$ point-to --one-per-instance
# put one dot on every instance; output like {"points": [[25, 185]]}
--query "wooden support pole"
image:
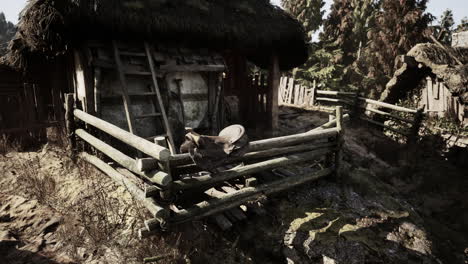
{"points": [[166, 168], [147, 164], [157, 211], [367, 108], [271, 147], [404, 133], [240, 197], [70, 121], [389, 106], [143, 145], [157, 177], [291, 140], [331, 123], [215, 179], [414, 133], [272, 95], [340, 141]]}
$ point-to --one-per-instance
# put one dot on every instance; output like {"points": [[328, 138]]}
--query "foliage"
{"points": [[308, 12], [344, 33], [463, 25], [399, 25], [7, 31], [443, 31]]}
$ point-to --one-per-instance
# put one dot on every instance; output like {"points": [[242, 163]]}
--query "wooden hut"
{"points": [[138, 72], [156, 67], [438, 75]]}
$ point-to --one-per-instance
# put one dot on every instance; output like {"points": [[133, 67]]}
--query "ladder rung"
{"points": [[137, 73], [143, 94], [132, 54], [148, 115]]}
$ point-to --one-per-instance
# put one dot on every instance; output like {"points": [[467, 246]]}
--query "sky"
{"points": [[11, 8]]}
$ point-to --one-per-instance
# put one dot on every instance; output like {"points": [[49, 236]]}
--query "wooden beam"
{"points": [[269, 146], [157, 211], [387, 114], [389, 106], [139, 143], [157, 177], [240, 197], [211, 180], [292, 139], [272, 95], [385, 126]]}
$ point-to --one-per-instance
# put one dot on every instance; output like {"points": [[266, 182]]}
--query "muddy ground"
{"points": [[397, 204]]}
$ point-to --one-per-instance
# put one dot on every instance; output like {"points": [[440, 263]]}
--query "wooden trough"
{"points": [[156, 178]]}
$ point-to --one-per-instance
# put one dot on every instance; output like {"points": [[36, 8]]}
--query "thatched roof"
{"points": [[254, 27], [444, 63]]}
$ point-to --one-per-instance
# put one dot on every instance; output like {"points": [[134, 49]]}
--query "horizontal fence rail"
{"points": [[405, 121]]}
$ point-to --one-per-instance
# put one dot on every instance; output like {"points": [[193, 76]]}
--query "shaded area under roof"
{"points": [[253, 27]]}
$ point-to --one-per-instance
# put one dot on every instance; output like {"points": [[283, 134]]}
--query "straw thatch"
{"points": [[425, 59], [254, 27]]}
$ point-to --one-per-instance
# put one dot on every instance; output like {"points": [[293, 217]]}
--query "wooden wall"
{"points": [[439, 101]]}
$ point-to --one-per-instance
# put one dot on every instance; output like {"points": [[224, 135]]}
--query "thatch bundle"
{"points": [[444, 63], [254, 27]]}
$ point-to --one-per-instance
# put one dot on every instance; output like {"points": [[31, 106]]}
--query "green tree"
{"points": [[308, 12], [399, 25], [7, 31], [443, 31], [463, 25]]}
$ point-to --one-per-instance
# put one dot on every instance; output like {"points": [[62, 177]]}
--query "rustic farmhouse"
{"points": [[155, 66], [440, 77]]}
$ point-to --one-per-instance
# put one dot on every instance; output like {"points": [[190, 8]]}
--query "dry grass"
{"points": [[36, 183]]}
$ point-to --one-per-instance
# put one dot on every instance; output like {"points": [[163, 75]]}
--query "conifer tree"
{"points": [[399, 25], [308, 12], [7, 31]]}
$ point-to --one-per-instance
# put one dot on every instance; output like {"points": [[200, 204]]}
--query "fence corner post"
{"points": [[414, 133], [70, 121], [340, 143]]}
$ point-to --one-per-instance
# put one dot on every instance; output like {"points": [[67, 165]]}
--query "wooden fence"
{"points": [[155, 179], [405, 121], [24, 110]]}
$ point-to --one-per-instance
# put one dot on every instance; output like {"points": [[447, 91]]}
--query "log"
{"points": [[332, 123], [339, 152], [270, 147], [156, 177], [143, 145], [334, 100], [222, 222], [207, 181], [335, 93], [389, 106], [385, 126], [240, 197], [387, 114], [147, 164], [292, 139], [157, 258], [70, 121], [159, 213]]}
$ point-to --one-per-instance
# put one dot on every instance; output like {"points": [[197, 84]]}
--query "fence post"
{"points": [[312, 94], [70, 121], [414, 133], [340, 142]]}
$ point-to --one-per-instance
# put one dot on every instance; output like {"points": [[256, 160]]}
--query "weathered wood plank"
{"points": [[211, 180], [390, 106], [139, 143], [157, 211], [158, 177]]}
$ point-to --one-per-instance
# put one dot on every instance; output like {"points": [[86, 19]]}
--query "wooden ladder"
{"points": [[159, 104]]}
